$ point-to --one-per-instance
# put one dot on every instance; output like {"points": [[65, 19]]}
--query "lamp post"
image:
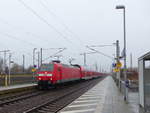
{"points": [[34, 56], [9, 68], [34, 62], [10, 62], [125, 66]]}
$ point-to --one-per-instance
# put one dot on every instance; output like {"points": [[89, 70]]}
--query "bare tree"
{"points": [[16, 68]]}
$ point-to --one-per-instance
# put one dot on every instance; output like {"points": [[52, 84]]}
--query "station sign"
{"points": [[33, 70], [116, 70], [119, 65]]}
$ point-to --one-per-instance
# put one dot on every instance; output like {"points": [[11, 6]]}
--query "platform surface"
{"points": [[102, 98], [16, 86]]}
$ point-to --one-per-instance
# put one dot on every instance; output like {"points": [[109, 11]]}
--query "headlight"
{"points": [[44, 74], [49, 74], [41, 75]]}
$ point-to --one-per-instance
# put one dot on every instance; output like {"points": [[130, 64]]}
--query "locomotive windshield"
{"points": [[46, 67]]}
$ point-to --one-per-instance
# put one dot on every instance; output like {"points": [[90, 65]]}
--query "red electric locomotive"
{"points": [[55, 72]]}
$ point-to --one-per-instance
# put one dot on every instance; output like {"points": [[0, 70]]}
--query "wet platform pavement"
{"points": [[103, 98]]}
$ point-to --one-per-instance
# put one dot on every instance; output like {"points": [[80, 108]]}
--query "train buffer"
{"points": [[103, 98]]}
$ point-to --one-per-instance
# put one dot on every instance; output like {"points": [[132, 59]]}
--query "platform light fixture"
{"points": [[125, 67]]}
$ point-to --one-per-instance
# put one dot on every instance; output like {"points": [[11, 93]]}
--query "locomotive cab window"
{"points": [[46, 67]]}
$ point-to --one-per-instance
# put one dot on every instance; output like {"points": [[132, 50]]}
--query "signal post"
{"points": [[118, 64]]}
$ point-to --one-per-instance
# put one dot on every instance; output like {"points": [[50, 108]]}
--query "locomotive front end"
{"points": [[45, 75]]}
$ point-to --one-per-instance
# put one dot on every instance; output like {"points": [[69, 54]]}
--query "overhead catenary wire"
{"points": [[100, 53], [44, 20], [99, 45], [25, 32], [18, 39], [60, 50], [60, 21], [54, 48], [66, 27], [49, 25]]}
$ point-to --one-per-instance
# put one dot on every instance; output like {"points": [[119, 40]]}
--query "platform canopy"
{"points": [[145, 56], [144, 80]]}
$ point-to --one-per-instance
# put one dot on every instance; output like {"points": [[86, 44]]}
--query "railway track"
{"points": [[59, 102], [48, 105], [48, 101], [16, 94], [16, 98]]}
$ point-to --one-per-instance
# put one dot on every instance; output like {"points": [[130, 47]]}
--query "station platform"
{"points": [[102, 98], [7, 89]]}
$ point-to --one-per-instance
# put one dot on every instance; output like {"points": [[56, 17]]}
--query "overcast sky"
{"points": [[73, 24]]}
